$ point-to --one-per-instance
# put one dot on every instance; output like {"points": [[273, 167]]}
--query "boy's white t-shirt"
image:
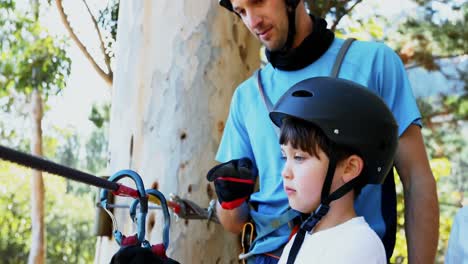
{"points": [[351, 242]]}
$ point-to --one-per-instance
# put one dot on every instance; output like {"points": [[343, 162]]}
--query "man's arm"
{"points": [[233, 220], [420, 195]]}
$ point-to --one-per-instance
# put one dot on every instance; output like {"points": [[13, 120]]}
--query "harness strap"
{"points": [[339, 58], [265, 98]]}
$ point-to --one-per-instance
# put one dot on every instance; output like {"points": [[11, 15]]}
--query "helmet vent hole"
{"points": [[302, 93]]}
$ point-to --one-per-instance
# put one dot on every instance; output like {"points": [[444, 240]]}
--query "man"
{"points": [[299, 46]]}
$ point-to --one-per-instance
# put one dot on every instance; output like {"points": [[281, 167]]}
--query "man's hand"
{"points": [[234, 181]]}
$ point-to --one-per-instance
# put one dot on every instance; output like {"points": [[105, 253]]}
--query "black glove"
{"points": [[234, 181]]}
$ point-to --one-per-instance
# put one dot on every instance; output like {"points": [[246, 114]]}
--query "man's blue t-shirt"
{"points": [[250, 133]]}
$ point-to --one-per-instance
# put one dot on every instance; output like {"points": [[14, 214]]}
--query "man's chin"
{"points": [[271, 47]]}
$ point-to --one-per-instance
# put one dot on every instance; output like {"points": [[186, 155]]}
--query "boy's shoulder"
{"points": [[351, 242], [348, 230], [360, 242], [355, 240]]}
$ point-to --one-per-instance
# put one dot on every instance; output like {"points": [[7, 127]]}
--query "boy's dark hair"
{"points": [[308, 137]]}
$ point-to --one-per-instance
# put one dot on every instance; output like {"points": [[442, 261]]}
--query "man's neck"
{"points": [[304, 26]]}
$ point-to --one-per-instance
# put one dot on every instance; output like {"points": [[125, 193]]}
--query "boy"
{"points": [[336, 136]]}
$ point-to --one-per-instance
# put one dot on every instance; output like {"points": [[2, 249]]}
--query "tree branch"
{"points": [[417, 64], [101, 41], [458, 205], [338, 18], [106, 76]]}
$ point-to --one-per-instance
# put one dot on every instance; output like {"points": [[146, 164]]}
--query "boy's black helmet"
{"points": [[349, 115]]}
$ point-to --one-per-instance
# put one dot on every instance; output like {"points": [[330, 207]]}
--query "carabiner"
{"points": [[167, 218], [247, 236], [142, 198]]}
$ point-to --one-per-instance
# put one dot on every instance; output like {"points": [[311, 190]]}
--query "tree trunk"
{"points": [[178, 63], [37, 253]]}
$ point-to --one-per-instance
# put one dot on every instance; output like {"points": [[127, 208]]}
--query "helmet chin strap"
{"points": [[320, 212], [323, 208], [291, 10]]}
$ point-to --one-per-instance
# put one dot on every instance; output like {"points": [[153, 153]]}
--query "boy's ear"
{"points": [[353, 166]]}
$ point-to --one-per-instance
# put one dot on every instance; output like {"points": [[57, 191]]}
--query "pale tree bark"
{"points": [[178, 63], [37, 254]]}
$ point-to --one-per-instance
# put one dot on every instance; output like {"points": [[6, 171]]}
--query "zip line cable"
{"points": [[41, 164], [184, 208]]}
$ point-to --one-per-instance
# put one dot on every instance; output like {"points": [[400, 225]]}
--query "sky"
{"points": [[84, 86]]}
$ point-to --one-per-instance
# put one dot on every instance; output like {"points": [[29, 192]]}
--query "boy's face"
{"points": [[266, 19], [303, 177]]}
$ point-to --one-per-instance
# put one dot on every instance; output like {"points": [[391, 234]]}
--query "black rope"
{"points": [[41, 164]]}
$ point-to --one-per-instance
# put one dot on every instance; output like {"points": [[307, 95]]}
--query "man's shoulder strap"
{"points": [[266, 100], [339, 58]]}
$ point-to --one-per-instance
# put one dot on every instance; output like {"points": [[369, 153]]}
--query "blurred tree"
{"points": [[439, 31], [68, 152], [335, 10], [35, 65], [100, 115], [105, 25], [97, 144], [68, 221], [438, 36]]}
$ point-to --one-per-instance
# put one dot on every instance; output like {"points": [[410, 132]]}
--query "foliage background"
{"points": [[68, 219]]}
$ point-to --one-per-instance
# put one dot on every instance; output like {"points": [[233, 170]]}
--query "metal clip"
{"points": [[211, 210], [187, 209], [247, 238]]}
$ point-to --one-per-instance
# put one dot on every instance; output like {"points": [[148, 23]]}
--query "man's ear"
{"points": [[353, 166]]}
